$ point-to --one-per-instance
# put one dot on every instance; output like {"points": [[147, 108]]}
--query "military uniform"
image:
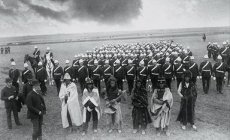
{"points": [[107, 72], [154, 72], [205, 71], [130, 71], [14, 75], [96, 75], [167, 70], [36, 54], [142, 74], [58, 73], [26, 73], [81, 73], [119, 74], [69, 69], [178, 71], [219, 70], [193, 68], [41, 76]]}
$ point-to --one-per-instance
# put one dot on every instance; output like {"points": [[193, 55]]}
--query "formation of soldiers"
{"points": [[145, 61], [7, 50]]}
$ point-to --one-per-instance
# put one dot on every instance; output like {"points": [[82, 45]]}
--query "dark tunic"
{"points": [[140, 112], [187, 108]]}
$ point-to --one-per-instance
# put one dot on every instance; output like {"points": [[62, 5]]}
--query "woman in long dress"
{"points": [[140, 113], [70, 112]]}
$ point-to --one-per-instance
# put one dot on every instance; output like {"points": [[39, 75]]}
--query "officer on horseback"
{"points": [[48, 56], [36, 53]]}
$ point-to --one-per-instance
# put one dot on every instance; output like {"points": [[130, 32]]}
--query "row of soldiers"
{"points": [[147, 61], [214, 50], [7, 50]]}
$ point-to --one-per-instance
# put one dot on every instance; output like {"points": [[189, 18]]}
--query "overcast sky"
{"points": [[36, 17]]}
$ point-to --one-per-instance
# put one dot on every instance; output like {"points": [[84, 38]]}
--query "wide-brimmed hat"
{"points": [[67, 76]]}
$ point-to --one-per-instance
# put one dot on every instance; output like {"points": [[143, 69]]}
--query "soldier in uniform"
{"points": [[130, 71], [154, 72], [14, 75], [119, 74], [193, 68], [96, 75], [26, 73], [69, 69], [48, 56], [36, 53], [209, 48], [2, 50], [224, 52], [219, 70], [81, 73], [205, 72], [41, 76], [142, 73], [57, 75], [107, 71], [178, 71], [167, 70]]}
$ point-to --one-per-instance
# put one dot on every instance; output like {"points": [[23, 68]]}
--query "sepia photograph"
{"points": [[114, 69]]}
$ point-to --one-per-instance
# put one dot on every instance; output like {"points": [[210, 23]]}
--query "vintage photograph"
{"points": [[114, 69]]}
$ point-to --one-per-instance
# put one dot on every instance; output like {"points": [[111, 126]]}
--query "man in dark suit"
{"points": [[10, 96], [36, 109]]}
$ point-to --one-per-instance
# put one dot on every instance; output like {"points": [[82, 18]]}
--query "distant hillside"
{"points": [[62, 38]]}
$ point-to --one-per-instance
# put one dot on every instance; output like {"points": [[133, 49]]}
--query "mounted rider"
{"points": [[48, 56], [36, 53]]}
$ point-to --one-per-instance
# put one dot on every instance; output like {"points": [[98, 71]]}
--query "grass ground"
{"points": [[212, 110]]}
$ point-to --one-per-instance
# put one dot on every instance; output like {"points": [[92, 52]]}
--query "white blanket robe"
{"points": [[72, 105], [94, 98], [162, 119]]}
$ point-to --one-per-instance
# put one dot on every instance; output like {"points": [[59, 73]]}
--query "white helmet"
{"points": [[192, 57], [25, 65], [206, 56], [67, 76], [67, 61], [219, 57], [55, 61], [40, 63], [13, 63]]}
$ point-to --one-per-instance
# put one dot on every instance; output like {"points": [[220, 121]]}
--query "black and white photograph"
{"points": [[114, 69]]}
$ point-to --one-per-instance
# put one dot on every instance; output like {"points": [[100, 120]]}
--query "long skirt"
{"points": [[141, 117], [187, 111]]}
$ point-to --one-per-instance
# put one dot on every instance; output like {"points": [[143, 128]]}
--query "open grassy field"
{"points": [[212, 110]]}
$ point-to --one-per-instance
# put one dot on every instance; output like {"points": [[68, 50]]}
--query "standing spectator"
{"points": [[91, 103], [10, 96], [187, 92], [140, 113], [113, 107], [162, 101], [70, 111], [36, 109]]}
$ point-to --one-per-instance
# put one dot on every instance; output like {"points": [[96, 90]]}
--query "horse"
{"points": [[32, 60], [49, 69]]}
